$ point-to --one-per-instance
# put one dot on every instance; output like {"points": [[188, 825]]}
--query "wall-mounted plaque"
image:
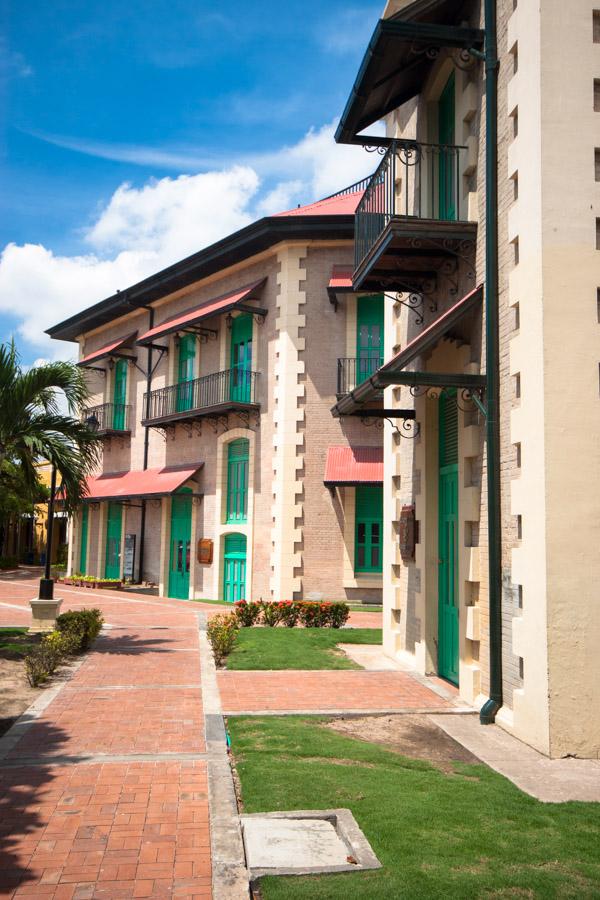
{"points": [[205, 551], [129, 557], [407, 533]]}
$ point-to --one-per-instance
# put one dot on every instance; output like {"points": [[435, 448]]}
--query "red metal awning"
{"points": [[341, 278], [354, 465], [214, 307], [150, 483], [105, 351]]}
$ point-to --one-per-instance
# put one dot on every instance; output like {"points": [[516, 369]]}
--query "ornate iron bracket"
{"points": [[466, 395], [223, 421], [415, 302], [409, 428]]}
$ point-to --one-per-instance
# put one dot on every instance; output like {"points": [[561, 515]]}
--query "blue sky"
{"points": [[108, 104]]}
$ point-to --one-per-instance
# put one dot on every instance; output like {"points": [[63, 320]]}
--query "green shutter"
{"points": [[186, 356], [368, 516], [448, 650], [241, 358], [238, 453], [84, 539], [112, 565], [119, 395], [447, 161]]}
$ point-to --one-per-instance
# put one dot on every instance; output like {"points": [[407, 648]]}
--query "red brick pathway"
{"points": [[85, 817], [331, 691]]}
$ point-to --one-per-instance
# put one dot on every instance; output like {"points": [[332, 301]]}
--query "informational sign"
{"points": [[205, 551], [408, 534], [129, 557]]}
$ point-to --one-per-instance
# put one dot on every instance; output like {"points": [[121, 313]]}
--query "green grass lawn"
{"points": [[14, 643], [215, 602], [364, 607], [297, 648], [471, 834]]}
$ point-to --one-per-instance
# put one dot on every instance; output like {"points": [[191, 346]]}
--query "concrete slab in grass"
{"points": [[305, 842]]}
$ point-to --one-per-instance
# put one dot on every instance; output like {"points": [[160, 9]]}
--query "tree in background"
{"points": [[33, 426]]}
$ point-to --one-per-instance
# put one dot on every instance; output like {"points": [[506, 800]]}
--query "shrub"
{"points": [[338, 614], [271, 613], [221, 632], [247, 614], [289, 613], [41, 661], [8, 562], [83, 626]]}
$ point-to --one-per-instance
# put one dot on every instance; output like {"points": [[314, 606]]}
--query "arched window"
{"points": [[238, 455]]}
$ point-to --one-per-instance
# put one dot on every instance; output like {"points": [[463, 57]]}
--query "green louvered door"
{"points": [[181, 539], [241, 359], [234, 568], [448, 541], [185, 372], [119, 395], [85, 511], [369, 336], [447, 161], [237, 480], [112, 564]]}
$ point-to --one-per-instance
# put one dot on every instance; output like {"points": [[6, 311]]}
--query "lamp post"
{"points": [[44, 609]]}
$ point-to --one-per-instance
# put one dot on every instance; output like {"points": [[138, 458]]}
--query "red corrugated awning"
{"points": [[341, 278], [105, 351], [149, 483], [354, 465], [203, 311]]}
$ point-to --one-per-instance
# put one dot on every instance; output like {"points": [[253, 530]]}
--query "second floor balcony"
{"points": [[353, 371], [413, 212], [108, 419], [210, 395]]}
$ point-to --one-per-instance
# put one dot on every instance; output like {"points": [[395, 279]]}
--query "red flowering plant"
{"points": [[289, 613], [247, 614], [271, 613], [338, 614]]}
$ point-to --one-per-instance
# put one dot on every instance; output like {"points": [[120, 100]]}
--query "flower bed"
{"points": [[290, 613], [90, 581]]}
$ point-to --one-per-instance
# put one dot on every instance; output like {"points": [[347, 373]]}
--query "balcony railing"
{"points": [[233, 388], [107, 417], [413, 180], [352, 372]]}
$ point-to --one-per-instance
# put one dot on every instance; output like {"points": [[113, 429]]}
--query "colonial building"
{"points": [[481, 227], [223, 473]]}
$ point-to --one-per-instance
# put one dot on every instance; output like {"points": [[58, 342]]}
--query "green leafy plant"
{"points": [[289, 613], [83, 625], [271, 614], [247, 614], [8, 562], [338, 614], [221, 632]]}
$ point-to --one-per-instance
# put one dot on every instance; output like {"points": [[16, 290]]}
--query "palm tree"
{"points": [[33, 427]]}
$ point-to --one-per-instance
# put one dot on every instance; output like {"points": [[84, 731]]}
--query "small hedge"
{"points": [[75, 632], [9, 562], [222, 631], [291, 613]]}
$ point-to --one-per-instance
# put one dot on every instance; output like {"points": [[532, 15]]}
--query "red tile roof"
{"points": [[210, 308], [341, 205], [149, 483], [107, 349], [354, 465], [341, 278]]}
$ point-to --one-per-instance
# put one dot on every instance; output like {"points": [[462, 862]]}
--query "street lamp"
{"points": [[44, 609]]}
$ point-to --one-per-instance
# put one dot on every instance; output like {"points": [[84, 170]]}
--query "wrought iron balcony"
{"points": [[352, 372], [218, 393], [416, 186], [108, 418]]}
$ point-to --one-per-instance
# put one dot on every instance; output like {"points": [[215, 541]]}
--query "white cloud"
{"points": [[142, 230]]}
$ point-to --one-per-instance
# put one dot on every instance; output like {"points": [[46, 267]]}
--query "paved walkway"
{"points": [[105, 793]]}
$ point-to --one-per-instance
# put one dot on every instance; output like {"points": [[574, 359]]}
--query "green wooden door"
{"points": [[181, 545], [119, 395], [238, 453], [369, 336], [84, 539], [368, 518], [241, 358], [448, 541], [447, 162], [234, 568], [186, 356], [112, 563]]}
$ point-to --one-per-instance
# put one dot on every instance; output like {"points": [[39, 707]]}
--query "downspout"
{"points": [[146, 442], [489, 709]]}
